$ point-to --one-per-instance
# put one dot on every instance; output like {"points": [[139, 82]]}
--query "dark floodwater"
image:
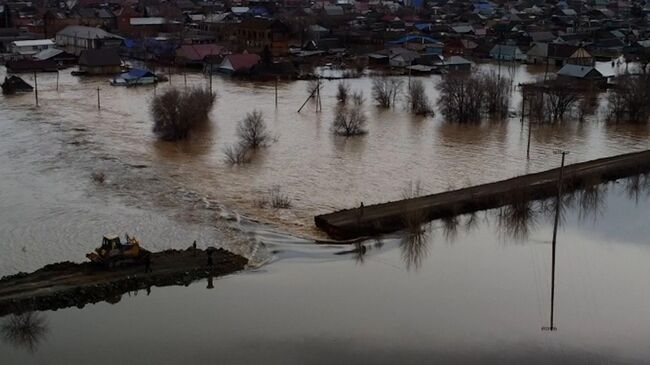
{"points": [[476, 295], [454, 296]]}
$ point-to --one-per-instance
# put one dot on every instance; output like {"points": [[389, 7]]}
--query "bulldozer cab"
{"points": [[111, 242]]}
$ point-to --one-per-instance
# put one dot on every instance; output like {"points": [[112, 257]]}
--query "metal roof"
{"points": [[147, 21], [47, 53], [33, 42], [80, 31]]}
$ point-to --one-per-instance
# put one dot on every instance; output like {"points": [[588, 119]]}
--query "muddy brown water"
{"points": [[469, 295], [476, 295]]}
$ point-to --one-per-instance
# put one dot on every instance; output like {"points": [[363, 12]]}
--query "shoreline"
{"points": [[67, 284]]}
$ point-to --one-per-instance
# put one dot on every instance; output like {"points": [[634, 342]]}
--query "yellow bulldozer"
{"points": [[113, 252]]}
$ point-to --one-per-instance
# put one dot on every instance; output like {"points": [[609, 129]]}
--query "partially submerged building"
{"points": [[100, 62]]}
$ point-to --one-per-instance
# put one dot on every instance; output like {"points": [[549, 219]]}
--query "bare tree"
{"points": [[343, 90], [252, 131], [176, 113], [385, 90], [560, 99], [349, 122], [629, 100], [357, 98], [417, 100], [588, 103], [237, 154], [497, 94], [461, 97]]}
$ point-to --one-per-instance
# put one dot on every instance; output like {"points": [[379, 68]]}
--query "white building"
{"points": [[76, 38], [30, 47]]}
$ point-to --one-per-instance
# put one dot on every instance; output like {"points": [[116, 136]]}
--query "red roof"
{"points": [[243, 61], [198, 52]]}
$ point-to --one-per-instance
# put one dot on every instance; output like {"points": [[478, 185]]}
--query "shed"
{"points": [[100, 61]]}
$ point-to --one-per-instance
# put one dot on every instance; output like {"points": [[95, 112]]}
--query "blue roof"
{"points": [[136, 73], [414, 38], [423, 26]]}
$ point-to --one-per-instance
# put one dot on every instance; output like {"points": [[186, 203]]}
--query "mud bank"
{"points": [[68, 284]]}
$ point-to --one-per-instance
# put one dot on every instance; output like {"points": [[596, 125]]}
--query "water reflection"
{"points": [[414, 248], [517, 220], [25, 330]]}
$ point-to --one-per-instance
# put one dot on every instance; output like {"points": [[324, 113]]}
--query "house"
{"points": [[558, 54], [197, 54], [598, 74], [507, 53], [455, 63], [256, 34], [400, 57], [134, 77], [76, 38], [418, 42], [30, 47], [100, 61], [241, 63]]}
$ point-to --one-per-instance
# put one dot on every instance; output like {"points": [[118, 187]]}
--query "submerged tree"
{"points": [[559, 99], [176, 113], [461, 97], [343, 90], [385, 90], [417, 100], [252, 131], [349, 122], [629, 99], [252, 134], [497, 91]]}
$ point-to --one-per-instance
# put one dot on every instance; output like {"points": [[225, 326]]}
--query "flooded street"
{"points": [[458, 296]]}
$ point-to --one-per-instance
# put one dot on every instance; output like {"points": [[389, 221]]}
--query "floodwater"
{"points": [[319, 171], [454, 295], [473, 294]]}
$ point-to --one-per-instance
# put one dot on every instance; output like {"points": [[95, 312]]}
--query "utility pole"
{"points": [[99, 104], [210, 77], [57, 80], [558, 204], [35, 88], [276, 92]]}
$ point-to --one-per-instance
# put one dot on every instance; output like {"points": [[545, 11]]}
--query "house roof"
{"points": [[578, 71], [198, 52], [147, 21], [33, 42], [80, 31], [46, 54], [415, 38], [136, 73], [242, 61], [99, 57]]}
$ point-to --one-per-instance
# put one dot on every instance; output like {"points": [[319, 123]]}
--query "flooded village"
{"points": [[309, 182]]}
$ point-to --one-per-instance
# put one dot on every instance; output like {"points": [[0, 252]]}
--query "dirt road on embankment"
{"points": [[68, 284]]}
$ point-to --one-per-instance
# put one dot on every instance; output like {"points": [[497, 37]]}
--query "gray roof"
{"points": [[575, 70], [580, 71], [80, 31], [46, 54]]}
